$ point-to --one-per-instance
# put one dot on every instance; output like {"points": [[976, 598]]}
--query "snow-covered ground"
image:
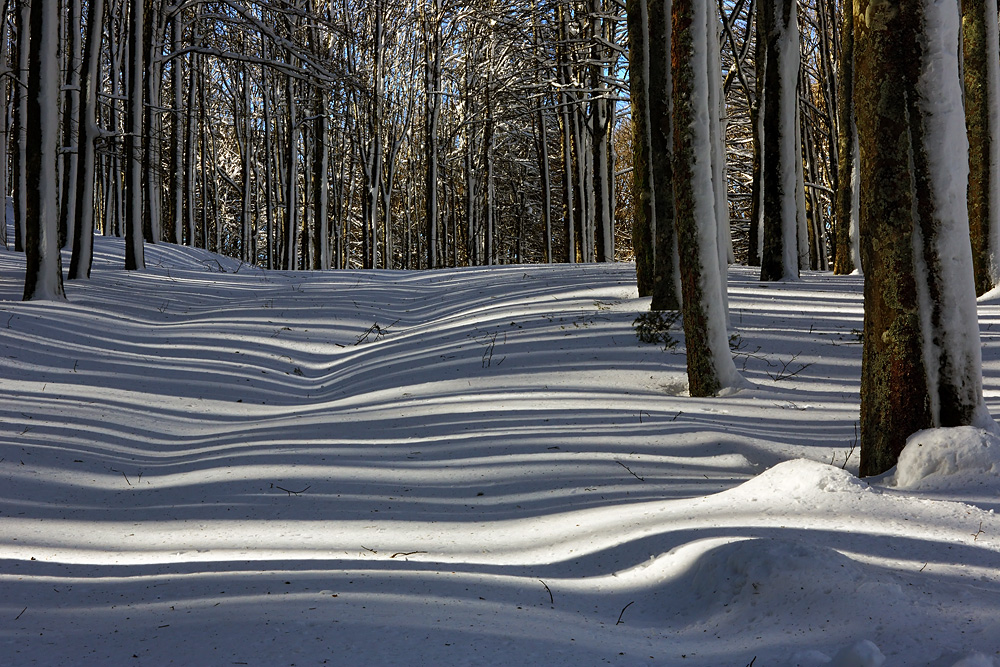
{"points": [[209, 464]]}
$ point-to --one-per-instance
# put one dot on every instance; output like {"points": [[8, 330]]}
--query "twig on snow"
{"points": [[975, 535], [783, 374], [629, 470], [548, 590], [406, 553], [623, 612], [21, 614], [289, 491]]}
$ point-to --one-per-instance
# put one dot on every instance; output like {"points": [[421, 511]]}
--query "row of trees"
{"points": [[305, 134], [386, 133], [927, 206], [417, 134]]}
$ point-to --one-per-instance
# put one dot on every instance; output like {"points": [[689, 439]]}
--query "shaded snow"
{"points": [[207, 463]]}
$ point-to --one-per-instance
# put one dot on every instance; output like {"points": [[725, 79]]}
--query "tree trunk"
{"points": [[981, 48], [70, 120], [846, 224], [175, 231], [921, 364], [134, 258], [43, 273], [291, 178], [433, 93], [709, 361], [782, 157], [321, 186], [19, 167], [83, 237], [666, 273], [643, 215]]}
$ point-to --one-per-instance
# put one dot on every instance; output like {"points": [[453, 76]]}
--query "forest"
{"points": [[326, 332], [385, 133]]}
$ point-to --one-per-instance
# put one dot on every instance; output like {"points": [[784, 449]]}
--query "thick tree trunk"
{"points": [[43, 273], [643, 215], [921, 363], [709, 361]]}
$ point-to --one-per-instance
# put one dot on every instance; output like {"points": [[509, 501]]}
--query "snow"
{"points": [[208, 463], [962, 456], [948, 323]]}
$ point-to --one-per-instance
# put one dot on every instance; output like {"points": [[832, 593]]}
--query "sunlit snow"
{"points": [[205, 463]]}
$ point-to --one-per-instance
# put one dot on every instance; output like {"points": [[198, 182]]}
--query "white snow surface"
{"points": [[204, 463]]}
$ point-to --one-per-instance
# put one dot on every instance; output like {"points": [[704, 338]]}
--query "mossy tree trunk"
{"points": [[921, 359], [643, 215], [666, 276], [981, 49], [709, 361], [847, 150]]}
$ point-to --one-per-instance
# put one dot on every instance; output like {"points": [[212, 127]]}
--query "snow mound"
{"points": [[970, 660], [801, 479], [946, 458], [771, 573]]}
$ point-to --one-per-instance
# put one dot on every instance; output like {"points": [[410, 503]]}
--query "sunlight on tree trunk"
{"points": [[921, 363]]}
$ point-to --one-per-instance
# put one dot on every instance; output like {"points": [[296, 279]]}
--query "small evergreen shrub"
{"points": [[654, 327]]}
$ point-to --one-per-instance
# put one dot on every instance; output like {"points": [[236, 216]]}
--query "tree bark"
{"points": [[709, 362], [981, 49], [83, 237], [643, 215], [666, 274], [782, 157], [921, 364], [845, 215], [43, 272]]}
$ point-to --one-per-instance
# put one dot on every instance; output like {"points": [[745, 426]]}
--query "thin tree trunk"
{"points": [[666, 273], [70, 120], [981, 48], [83, 237], [134, 258]]}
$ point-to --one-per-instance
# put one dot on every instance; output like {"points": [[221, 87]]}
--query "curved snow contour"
{"points": [[960, 457]]}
